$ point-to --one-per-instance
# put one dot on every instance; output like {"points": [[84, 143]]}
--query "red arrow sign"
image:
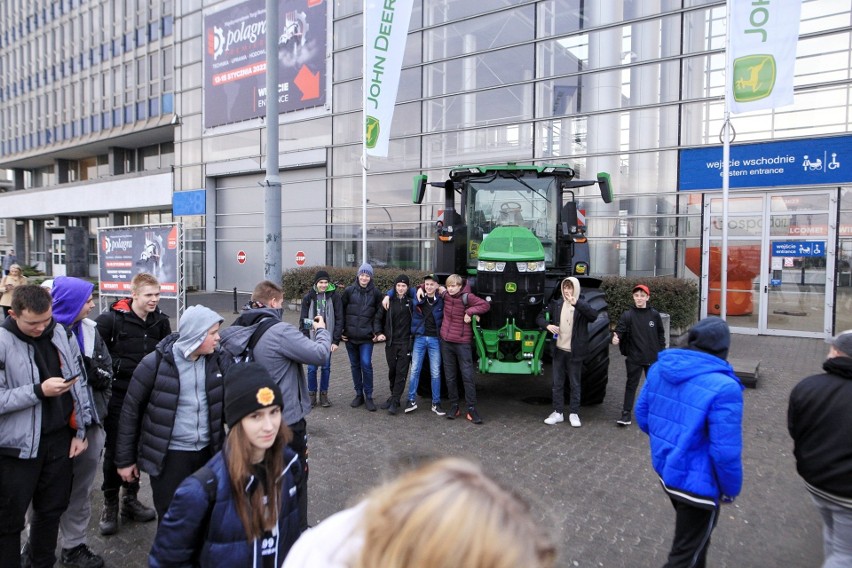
{"points": [[308, 83]]}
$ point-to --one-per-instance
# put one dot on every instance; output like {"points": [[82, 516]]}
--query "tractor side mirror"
{"points": [[419, 191], [605, 185]]}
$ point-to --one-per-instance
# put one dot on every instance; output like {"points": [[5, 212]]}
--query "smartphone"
{"points": [[77, 376]]}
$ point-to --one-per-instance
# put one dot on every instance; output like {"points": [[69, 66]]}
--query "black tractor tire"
{"points": [[596, 364]]}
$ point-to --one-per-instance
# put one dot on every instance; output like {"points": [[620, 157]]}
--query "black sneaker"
{"points": [[393, 407], [473, 415], [625, 419], [454, 411], [81, 556], [369, 404], [436, 408], [386, 404], [357, 401], [410, 406]]}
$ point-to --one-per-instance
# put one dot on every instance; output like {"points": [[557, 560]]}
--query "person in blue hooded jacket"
{"points": [[691, 407], [241, 509]]}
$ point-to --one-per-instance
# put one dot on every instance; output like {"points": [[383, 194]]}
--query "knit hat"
{"points": [[321, 275], [842, 342], [249, 387], [643, 288], [402, 278], [365, 269], [710, 335], [430, 276]]}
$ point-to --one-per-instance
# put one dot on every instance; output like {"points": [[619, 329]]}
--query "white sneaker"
{"points": [[574, 420], [554, 418]]}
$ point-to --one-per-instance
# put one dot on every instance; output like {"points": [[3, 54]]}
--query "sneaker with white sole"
{"points": [[436, 408], [410, 406], [574, 420], [554, 418], [625, 419]]}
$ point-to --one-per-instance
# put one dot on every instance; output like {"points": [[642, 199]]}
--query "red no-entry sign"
{"points": [[300, 258], [241, 257]]}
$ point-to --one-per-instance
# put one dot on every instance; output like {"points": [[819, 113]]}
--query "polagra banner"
{"points": [[386, 29], [763, 38]]}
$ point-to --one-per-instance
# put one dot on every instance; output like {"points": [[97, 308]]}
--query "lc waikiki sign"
{"points": [[386, 29], [762, 58]]}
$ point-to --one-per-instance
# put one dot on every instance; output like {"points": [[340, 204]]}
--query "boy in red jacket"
{"points": [[460, 305]]}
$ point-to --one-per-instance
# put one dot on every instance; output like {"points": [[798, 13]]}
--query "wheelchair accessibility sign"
{"points": [[799, 248]]}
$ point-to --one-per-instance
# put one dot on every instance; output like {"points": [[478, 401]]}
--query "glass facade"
{"points": [[620, 86]]}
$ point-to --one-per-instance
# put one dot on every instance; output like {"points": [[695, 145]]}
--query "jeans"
{"points": [[361, 363], [422, 345], [457, 358], [325, 373], [564, 363], [836, 533]]}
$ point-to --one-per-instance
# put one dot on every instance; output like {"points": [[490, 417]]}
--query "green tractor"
{"points": [[515, 237]]}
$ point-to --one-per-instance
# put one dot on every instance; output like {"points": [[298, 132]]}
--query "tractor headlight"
{"points": [[535, 266], [490, 266]]}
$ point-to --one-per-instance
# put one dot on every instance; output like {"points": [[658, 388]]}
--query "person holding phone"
{"points": [[44, 411]]}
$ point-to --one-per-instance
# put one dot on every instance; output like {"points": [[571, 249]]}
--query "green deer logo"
{"points": [[754, 77], [371, 136]]}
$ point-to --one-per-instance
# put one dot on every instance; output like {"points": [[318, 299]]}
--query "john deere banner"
{"points": [[235, 59], [763, 38], [386, 24]]}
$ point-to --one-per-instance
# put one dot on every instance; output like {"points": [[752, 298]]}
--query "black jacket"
{"points": [[149, 409], [333, 317], [396, 323], [362, 312], [642, 334], [819, 419], [129, 338], [584, 314]]}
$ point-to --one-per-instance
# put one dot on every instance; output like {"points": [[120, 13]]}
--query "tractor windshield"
{"points": [[529, 202]]}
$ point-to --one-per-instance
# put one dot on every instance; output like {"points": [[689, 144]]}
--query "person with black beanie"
{"points": [[322, 300], [396, 332]]}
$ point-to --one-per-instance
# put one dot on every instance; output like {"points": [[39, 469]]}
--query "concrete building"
{"points": [[119, 112]]}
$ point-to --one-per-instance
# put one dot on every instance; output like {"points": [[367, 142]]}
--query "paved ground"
{"points": [[592, 489]]}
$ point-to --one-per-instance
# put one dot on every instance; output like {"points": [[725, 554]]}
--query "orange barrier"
{"points": [[743, 266]]}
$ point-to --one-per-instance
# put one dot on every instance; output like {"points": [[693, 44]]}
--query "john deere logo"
{"points": [[754, 77], [372, 134], [511, 287]]}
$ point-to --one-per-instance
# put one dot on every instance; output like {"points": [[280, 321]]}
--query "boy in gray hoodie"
{"points": [[171, 421]]}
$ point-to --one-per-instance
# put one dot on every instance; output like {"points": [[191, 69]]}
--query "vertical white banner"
{"points": [[386, 29], [762, 39]]}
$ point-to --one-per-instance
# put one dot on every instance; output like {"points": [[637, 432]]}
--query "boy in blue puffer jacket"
{"points": [[691, 408]]}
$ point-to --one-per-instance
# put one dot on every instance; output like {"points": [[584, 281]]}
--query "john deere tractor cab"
{"points": [[515, 237]]}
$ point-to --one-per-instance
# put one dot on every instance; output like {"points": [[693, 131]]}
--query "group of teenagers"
{"points": [[216, 418]]}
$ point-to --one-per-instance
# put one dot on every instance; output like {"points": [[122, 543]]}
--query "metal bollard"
{"points": [[236, 311]]}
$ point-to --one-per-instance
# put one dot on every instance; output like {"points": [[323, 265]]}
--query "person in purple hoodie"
{"points": [[72, 302]]}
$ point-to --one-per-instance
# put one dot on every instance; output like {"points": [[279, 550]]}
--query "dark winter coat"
{"points": [[418, 316], [362, 312], [819, 419], [642, 332], [187, 538], [149, 409], [130, 338], [396, 323], [584, 314], [453, 327]]}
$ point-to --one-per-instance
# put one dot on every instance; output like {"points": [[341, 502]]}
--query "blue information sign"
{"points": [[193, 202], [809, 161], [798, 248]]}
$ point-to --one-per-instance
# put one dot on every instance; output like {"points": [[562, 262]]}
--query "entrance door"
{"points": [[57, 254], [780, 263]]}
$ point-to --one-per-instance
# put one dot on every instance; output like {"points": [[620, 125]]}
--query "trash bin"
{"points": [[667, 326]]}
